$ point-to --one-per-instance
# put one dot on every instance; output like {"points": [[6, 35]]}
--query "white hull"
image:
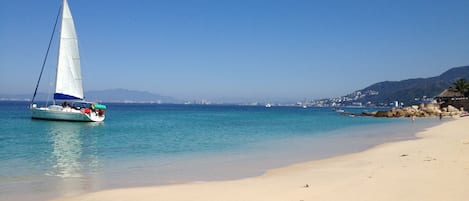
{"points": [[57, 112]]}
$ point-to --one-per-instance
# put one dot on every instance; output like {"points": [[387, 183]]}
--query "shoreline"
{"points": [[431, 167]]}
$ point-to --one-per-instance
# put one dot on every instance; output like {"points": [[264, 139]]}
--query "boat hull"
{"points": [[58, 113]]}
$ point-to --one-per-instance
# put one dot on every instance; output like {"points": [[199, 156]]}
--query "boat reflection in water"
{"points": [[74, 156]]}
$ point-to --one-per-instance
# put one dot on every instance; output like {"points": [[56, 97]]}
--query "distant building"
{"points": [[454, 98], [357, 104]]}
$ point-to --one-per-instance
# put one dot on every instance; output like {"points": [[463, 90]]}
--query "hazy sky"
{"points": [[261, 49]]}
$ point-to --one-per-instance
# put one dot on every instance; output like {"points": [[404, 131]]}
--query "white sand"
{"points": [[434, 167]]}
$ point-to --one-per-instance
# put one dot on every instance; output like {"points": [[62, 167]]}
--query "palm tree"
{"points": [[461, 86]]}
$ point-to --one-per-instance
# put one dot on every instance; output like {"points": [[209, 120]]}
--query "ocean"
{"points": [[157, 144]]}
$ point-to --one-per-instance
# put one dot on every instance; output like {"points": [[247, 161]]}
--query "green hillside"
{"points": [[407, 90]]}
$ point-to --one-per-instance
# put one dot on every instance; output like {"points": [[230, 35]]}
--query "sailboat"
{"points": [[68, 104]]}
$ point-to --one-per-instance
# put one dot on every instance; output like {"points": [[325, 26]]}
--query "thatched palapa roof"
{"points": [[447, 93]]}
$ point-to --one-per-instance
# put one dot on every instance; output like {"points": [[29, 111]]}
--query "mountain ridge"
{"points": [[108, 95], [126, 95], [410, 91]]}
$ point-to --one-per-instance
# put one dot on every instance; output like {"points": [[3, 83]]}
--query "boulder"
{"points": [[369, 113], [421, 106], [383, 114], [432, 106], [445, 114], [421, 114], [452, 109], [399, 113], [431, 111], [409, 111], [423, 110]]}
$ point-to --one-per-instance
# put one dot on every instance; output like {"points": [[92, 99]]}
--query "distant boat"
{"points": [[68, 83], [340, 110], [268, 105], [303, 104]]}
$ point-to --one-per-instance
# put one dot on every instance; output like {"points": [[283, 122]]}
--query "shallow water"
{"points": [[146, 144]]}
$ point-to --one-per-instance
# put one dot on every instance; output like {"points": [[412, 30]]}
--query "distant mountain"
{"points": [[125, 95], [411, 90], [23, 97], [110, 95]]}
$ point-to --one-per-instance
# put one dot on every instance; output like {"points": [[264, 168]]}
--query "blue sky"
{"points": [[256, 49]]}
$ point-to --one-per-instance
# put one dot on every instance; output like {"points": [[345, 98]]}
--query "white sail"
{"points": [[68, 81]]}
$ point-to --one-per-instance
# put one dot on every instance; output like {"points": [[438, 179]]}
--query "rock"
{"points": [[420, 114], [369, 113], [421, 106], [431, 111], [432, 106], [445, 114], [410, 111], [423, 110], [399, 113], [383, 114], [452, 109]]}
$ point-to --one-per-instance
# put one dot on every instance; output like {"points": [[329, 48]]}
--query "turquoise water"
{"points": [[149, 144]]}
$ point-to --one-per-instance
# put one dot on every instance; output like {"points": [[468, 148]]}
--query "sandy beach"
{"points": [[433, 167]]}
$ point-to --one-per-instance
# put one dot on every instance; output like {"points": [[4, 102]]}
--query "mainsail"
{"points": [[68, 83]]}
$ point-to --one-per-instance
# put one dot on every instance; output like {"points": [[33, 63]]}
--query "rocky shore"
{"points": [[422, 110]]}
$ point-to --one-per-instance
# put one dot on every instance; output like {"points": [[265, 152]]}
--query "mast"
{"points": [[47, 53]]}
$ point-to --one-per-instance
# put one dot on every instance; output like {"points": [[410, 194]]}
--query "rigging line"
{"points": [[47, 53]]}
